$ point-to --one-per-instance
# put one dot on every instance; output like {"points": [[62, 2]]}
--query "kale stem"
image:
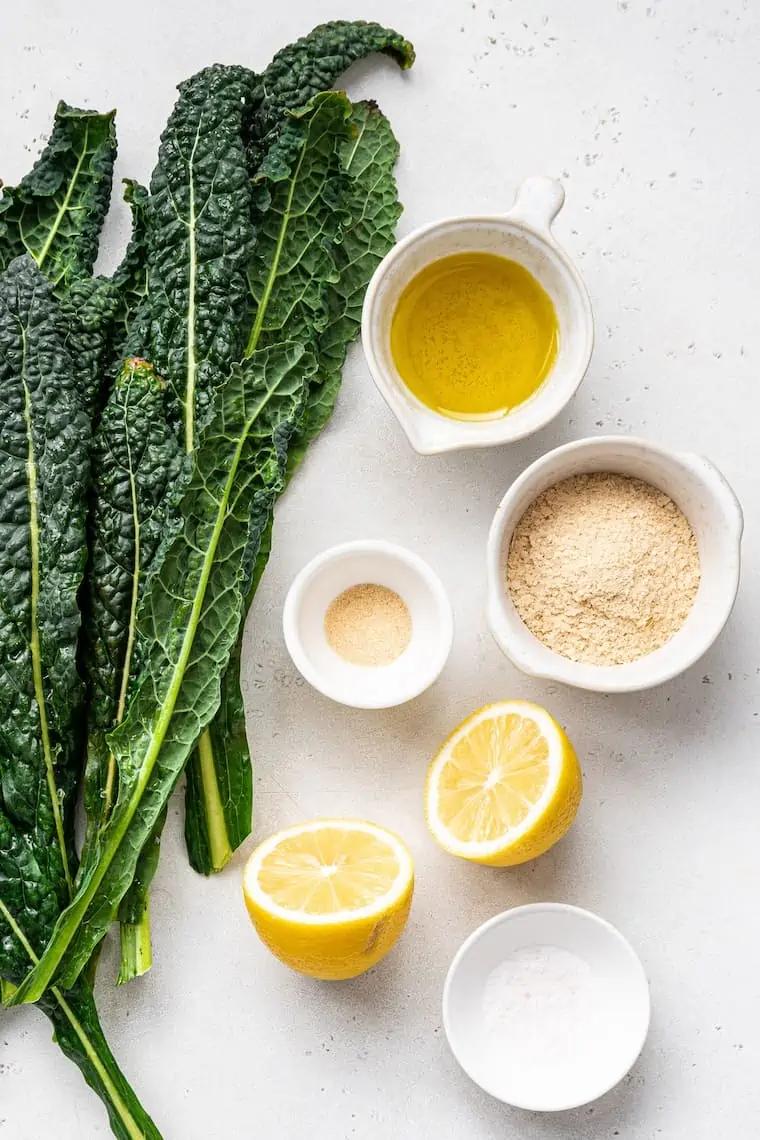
{"points": [[136, 954], [218, 839]]}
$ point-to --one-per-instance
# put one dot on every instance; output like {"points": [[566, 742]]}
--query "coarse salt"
{"points": [[542, 1008]]}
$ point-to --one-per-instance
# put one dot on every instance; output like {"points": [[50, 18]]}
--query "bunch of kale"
{"points": [[150, 421]]}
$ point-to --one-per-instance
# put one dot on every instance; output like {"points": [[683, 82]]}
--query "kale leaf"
{"points": [[44, 437], [137, 465], [370, 210], [44, 471], [137, 461], [195, 227], [199, 240], [218, 801], [128, 331], [79, 1034], [298, 194], [56, 212], [310, 65], [368, 158]]}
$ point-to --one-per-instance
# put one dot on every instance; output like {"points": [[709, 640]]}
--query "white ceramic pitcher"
{"points": [[523, 235]]}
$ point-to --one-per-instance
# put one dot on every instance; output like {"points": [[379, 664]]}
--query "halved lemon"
{"points": [[505, 787], [330, 898]]}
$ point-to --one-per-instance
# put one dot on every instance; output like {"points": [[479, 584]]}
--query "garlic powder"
{"points": [[368, 625]]}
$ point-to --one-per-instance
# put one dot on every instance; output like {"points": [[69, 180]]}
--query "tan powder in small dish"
{"points": [[603, 568], [368, 625]]}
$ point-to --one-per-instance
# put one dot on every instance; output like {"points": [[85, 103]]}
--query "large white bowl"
{"points": [[704, 496], [621, 1012], [523, 234]]}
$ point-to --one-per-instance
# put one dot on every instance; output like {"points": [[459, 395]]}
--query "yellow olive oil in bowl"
{"points": [[474, 335]]}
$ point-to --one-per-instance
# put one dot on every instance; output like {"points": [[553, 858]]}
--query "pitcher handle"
{"points": [[538, 201]]}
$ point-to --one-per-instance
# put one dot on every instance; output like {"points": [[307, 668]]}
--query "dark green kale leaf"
{"points": [[89, 305], [298, 72], [310, 65], [137, 461], [44, 470], [199, 240], [367, 202], [195, 227], [129, 330], [372, 203], [80, 1036], [55, 215], [44, 473], [56, 212], [137, 465], [299, 193]]}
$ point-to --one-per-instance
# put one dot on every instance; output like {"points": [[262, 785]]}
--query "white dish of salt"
{"points": [[546, 1007]]}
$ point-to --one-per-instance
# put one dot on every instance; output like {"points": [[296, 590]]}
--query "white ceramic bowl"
{"points": [[523, 235], [621, 1009], [381, 564], [704, 496]]}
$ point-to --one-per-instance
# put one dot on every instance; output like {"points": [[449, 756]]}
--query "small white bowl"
{"points": [[621, 1010], [523, 235], [381, 564], [711, 507]]}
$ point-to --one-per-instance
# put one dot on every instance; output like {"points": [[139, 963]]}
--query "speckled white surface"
{"points": [[646, 110]]}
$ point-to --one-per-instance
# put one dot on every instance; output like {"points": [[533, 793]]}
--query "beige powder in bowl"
{"points": [[603, 568], [368, 625]]}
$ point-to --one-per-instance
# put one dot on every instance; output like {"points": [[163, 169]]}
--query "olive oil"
{"points": [[474, 335]]}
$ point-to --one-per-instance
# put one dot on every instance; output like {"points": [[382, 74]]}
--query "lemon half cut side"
{"points": [[505, 786], [331, 897]]}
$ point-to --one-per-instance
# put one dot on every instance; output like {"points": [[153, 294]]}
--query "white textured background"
{"points": [[648, 112]]}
